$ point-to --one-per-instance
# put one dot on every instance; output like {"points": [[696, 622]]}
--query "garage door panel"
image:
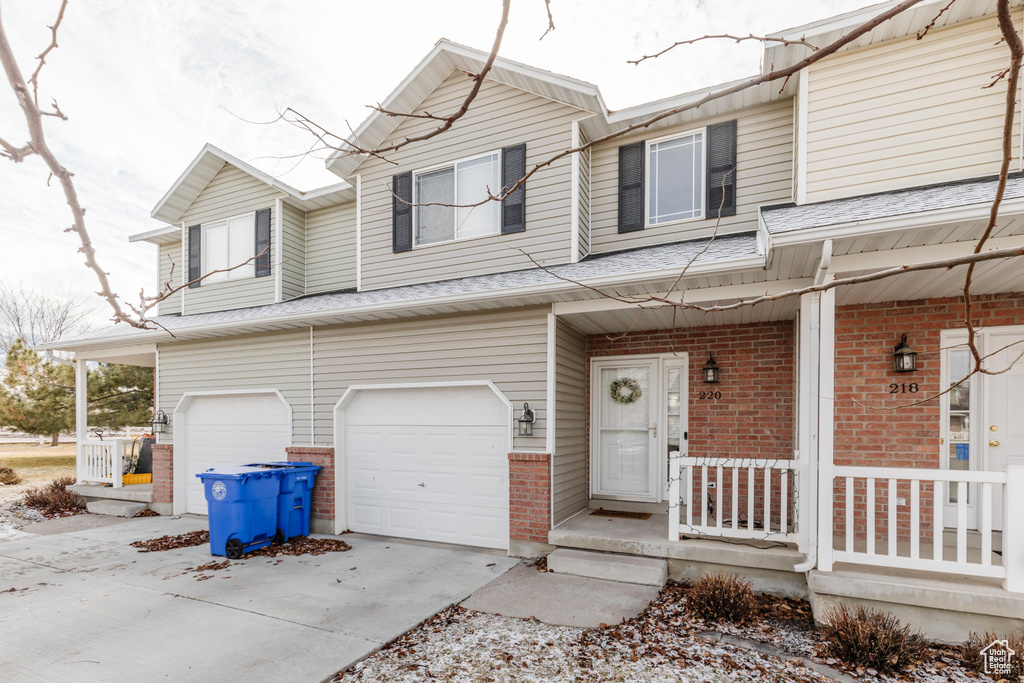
{"points": [[430, 464], [227, 431]]}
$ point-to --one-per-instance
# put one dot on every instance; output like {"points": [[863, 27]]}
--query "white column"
{"points": [[807, 425], [826, 420], [1013, 525], [81, 414]]}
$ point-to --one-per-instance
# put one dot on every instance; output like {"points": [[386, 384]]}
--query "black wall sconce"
{"points": [[904, 358], [160, 422], [526, 421], [710, 370]]}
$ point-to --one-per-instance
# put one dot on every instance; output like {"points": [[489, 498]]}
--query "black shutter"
{"points": [[721, 172], [631, 187], [513, 209], [195, 255], [262, 243], [401, 212]]}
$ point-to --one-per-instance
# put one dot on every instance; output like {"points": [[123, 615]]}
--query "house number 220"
{"points": [[710, 395], [911, 388]]}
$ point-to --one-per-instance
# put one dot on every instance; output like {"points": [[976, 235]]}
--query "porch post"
{"points": [[807, 425], [1013, 525], [826, 425], [81, 414]]}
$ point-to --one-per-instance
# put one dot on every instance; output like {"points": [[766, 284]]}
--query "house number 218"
{"points": [[903, 388]]}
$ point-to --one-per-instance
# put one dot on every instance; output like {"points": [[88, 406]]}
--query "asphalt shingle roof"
{"points": [[667, 256], [790, 218]]}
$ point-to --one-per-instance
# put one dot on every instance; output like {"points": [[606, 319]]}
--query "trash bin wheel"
{"points": [[233, 548], [279, 538]]}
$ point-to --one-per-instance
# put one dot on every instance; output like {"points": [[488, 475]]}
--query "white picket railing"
{"points": [[102, 462], [872, 533], [766, 488]]}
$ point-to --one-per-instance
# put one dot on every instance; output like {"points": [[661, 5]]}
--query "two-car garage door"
{"points": [[428, 463]]}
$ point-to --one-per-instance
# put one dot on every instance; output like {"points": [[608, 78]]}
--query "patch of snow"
{"points": [[10, 531]]}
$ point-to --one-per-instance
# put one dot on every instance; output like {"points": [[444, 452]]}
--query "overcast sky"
{"points": [[146, 83]]}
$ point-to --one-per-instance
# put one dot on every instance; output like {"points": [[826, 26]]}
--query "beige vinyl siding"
{"points": [[293, 265], [764, 175], [570, 456], [331, 248], [507, 347], [232, 192], [277, 360], [501, 116], [584, 200], [907, 113], [169, 272]]}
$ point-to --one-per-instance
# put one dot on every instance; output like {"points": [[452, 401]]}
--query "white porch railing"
{"points": [[751, 498], [102, 462], [878, 531]]}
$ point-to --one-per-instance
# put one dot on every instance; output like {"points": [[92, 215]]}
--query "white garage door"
{"points": [[225, 431], [429, 464]]}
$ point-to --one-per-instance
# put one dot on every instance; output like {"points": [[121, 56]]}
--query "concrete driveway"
{"points": [[85, 606]]}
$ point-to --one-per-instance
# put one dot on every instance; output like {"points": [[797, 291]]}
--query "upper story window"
{"points": [[229, 243], [675, 167], [443, 197]]}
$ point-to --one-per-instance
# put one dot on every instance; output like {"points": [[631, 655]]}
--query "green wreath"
{"points": [[632, 390]]}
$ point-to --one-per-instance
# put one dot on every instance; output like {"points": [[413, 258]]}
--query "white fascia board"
{"points": [[891, 258], [157, 235], [837, 22], [338, 315], [925, 219]]}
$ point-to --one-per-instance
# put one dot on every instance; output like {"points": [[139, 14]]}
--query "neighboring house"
{"points": [[396, 344]]}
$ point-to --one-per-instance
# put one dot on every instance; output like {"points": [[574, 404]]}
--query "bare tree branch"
{"points": [[551, 20], [723, 36], [923, 32], [34, 79]]}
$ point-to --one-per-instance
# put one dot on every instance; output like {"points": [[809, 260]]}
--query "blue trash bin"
{"points": [[242, 508], [294, 502]]}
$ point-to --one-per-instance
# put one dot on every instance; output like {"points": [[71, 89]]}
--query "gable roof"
{"points": [[209, 162], [447, 57]]}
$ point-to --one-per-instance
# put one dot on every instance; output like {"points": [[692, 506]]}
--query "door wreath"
{"points": [[626, 390]]}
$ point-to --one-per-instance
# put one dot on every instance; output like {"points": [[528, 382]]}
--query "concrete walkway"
{"points": [[85, 606]]}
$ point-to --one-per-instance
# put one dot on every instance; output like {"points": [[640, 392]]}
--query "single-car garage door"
{"points": [[224, 431], [429, 464]]}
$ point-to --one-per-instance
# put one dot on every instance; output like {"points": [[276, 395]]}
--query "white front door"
{"points": [[625, 407], [1002, 430]]}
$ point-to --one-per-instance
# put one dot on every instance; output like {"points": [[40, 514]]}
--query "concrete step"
{"points": [[115, 508], [647, 571]]}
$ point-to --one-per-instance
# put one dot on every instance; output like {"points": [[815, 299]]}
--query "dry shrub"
{"points": [[971, 652], [54, 499], [722, 596], [872, 639], [9, 476]]}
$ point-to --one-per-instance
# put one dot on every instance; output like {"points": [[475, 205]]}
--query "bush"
{"points": [[54, 500], [9, 476], [872, 639], [971, 652], [722, 596]]}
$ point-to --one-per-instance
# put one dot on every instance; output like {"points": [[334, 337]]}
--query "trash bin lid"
{"points": [[232, 472], [282, 464]]}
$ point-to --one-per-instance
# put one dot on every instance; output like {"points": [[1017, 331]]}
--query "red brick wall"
{"points": [[323, 490], [754, 418], [529, 497], [877, 429], [163, 473]]}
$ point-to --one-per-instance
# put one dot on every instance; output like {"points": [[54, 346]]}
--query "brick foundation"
{"points": [[529, 498], [323, 490], [163, 473]]}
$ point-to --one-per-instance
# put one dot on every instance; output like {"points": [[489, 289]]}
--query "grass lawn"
{"points": [[39, 464]]}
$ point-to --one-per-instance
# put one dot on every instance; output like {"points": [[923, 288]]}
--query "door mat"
{"points": [[601, 512]]}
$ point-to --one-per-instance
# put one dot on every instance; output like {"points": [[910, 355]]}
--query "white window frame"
{"points": [[648, 185], [243, 273], [455, 190]]}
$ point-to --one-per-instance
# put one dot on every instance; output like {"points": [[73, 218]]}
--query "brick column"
{"points": [[323, 490], [163, 474], [529, 496]]}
